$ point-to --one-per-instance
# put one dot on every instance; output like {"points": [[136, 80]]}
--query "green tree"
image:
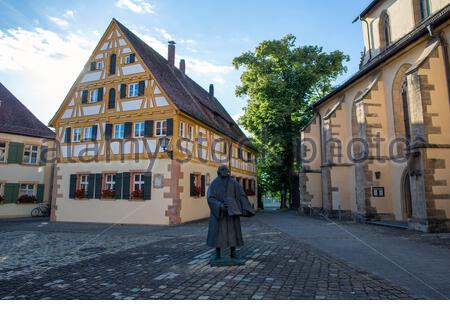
{"points": [[281, 81]]}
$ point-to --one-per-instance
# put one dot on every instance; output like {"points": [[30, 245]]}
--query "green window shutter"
{"points": [[90, 190], [108, 131], [84, 96], [94, 132], [72, 186], [11, 192], [100, 94], [126, 185], [147, 186], [192, 185], [128, 127], [119, 179], [15, 152], [169, 127], [123, 91], [98, 186], [203, 183], [148, 129], [141, 88], [40, 193]]}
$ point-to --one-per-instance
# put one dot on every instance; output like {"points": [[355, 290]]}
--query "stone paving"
{"points": [[172, 263]]}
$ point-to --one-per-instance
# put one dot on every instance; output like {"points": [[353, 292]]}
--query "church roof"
{"points": [[185, 93], [15, 118]]}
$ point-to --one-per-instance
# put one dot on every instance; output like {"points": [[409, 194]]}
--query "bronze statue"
{"points": [[228, 202]]}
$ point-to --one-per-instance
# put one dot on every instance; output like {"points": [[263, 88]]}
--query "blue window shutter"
{"points": [[94, 132], [72, 186], [169, 127], [127, 130], [126, 185], [68, 137], [112, 99], [132, 58], [119, 179], [148, 129], [112, 64], [141, 88], [108, 131], [98, 186], [123, 91], [100, 94], [92, 68], [147, 186], [84, 96]]}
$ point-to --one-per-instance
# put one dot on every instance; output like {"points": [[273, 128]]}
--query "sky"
{"points": [[45, 44]]}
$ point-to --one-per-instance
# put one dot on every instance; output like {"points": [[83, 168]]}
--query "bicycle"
{"points": [[42, 210]]}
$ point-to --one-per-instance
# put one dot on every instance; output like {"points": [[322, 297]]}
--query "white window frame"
{"points": [[27, 189], [139, 129], [133, 90], [128, 59], [161, 128], [93, 96], [87, 132], [182, 129], [31, 150], [76, 135], [3, 152], [110, 183], [121, 131], [84, 182], [138, 182], [98, 65]]}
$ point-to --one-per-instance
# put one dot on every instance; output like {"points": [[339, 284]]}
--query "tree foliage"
{"points": [[281, 81]]}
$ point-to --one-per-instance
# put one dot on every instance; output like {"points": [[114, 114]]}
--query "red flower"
{"points": [[80, 194], [27, 199], [197, 191], [108, 194], [137, 194]]}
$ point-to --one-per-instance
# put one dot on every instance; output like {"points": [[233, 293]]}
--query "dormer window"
{"points": [[385, 30]]}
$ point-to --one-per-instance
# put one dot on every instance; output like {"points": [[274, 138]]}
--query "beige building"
{"points": [[140, 141], [25, 158], [379, 145]]}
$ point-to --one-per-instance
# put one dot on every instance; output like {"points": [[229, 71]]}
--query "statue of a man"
{"points": [[227, 201]]}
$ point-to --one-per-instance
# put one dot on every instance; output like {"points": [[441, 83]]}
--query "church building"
{"points": [[378, 146], [140, 141]]}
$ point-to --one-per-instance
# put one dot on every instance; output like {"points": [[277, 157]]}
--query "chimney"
{"points": [[183, 66], [211, 91], [171, 54]]}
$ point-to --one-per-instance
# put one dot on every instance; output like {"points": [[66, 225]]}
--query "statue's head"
{"points": [[223, 171]]}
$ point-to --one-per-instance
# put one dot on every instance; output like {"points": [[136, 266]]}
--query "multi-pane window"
{"points": [[138, 182], [84, 182], [88, 134], [119, 130], [127, 59], [93, 96], [424, 9], [2, 151], [133, 90], [161, 128], [99, 65], [139, 128], [26, 190], [191, 133], [30, 154], [182, 130], [110, 182], [76, 134]]}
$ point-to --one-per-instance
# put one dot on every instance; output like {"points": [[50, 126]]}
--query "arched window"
{"points": [[385, 30], [405, 105], [112, 99], [422, 10], [112, 64]]}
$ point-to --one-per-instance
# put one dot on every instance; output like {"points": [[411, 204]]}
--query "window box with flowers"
{"points": [[24, 199], [80, 194], [137, 194], [108, 194], [197, 191]]}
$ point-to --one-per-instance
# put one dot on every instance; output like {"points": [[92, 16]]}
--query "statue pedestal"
{"points": [[226, 262]]}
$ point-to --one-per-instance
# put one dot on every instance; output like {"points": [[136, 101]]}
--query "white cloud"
{"points": [[69, 14], [58, 21], [137, 6], [40, 66], [166, 35]]}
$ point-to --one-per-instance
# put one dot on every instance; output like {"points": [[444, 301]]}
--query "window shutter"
{"points": [[203, 182], [112, 64], [40, 193], [147, 186], [127, 131], [100, 94], [112, 98], [92, 68], [90, 190], [126, 185], [72, 186], [169, 127], [84, 96], [94, 132], [15, 152], [68, 137], [43, 158], [148, 130], [118, 179], [11, 192], [108, 131], [141, 88], [123, 91], [132, 58], [98, 186], [192, 184]]}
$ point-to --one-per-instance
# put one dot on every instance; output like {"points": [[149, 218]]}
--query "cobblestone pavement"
{"points": [[171, 263]]}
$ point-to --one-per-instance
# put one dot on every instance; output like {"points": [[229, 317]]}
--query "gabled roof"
{"points": [[15, 118], [184, 92]]}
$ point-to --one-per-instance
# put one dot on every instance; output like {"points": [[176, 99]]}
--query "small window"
{"points": [[99, 65], [93, 96], [88, 134], [119, 130], [83, 182], [138, 182], [3, 151], [196, 185], [161, 128], [133, 90], [30, 154], [249, 157], [26, 190], [191, 133], [182, 130], [110, 182], [76, 134], [139, 129]]}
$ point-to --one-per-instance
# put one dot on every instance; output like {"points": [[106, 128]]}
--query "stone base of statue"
{"points": [[225, 262]]}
